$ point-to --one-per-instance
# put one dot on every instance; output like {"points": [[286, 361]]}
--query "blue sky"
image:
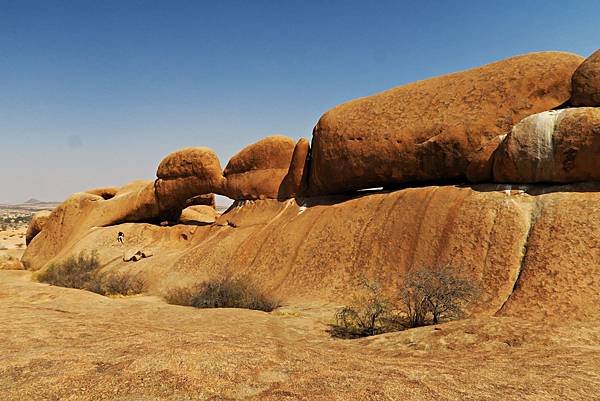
{"points": [[97, 93]]}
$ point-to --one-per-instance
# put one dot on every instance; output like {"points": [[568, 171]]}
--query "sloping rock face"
{"points": [[512, 242], [82, 211], [560, 274], [432, 129], [258, 170], [586, 82], [186, 173], [554, 146], [38, 221]]}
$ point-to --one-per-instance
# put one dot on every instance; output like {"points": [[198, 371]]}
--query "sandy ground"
{"points": [[12, 246], [66, 344]]}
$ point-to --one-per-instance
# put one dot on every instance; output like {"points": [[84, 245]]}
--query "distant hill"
{"points": [[33, 200]]}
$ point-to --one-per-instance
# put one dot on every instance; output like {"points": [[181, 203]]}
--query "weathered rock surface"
{"points": [[586, 82], [322, 250], [200, 162], [104, 192], [258, 170], [295, 181], [202, 200], [38, 221], [560, 273], [80, 213], [480, 169], [432, 129], [186, 173], [555, 146], [198, 214]]}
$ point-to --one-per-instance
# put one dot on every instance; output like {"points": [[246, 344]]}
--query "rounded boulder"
{"points": [[187, 173], [258, 170], [559, 146], [586, 82]]}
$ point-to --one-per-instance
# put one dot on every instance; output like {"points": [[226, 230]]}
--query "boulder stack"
{"points": [[431, 130]]}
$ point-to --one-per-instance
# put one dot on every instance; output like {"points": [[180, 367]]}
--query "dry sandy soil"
{"points": [[12, 232], [12, 246], [67, 344]]}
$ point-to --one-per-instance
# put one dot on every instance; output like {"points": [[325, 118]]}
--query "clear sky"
{"points": [[97, 93]]}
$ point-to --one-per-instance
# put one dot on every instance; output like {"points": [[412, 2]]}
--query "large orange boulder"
{"points": [[37, 223], [186, 173], [554, 146], [586, 82], [433, 129], [258, 170]]}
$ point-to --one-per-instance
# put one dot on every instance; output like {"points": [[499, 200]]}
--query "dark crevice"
{"points": [[535, 213]]}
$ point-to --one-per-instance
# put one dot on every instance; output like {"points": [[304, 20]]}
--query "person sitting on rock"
{"points": [[121, 237]]}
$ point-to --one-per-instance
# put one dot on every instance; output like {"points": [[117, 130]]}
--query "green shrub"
{"points": [[225, 291]]}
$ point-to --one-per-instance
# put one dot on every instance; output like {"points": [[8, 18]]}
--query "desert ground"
{"points": [[14, 219], [12, 242], [69, 344]]}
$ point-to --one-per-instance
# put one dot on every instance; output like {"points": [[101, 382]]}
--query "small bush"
{"points": [[121, 284], [430, 295], [427, 296], [225, 291], [75, 272], [370, 313], [82, 272]]}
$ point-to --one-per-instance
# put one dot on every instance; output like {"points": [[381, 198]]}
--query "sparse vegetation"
{"points": [[82, 272], [370, 313], [75, 272], [121, 284], [8, 262], [223, 291], [14, 221], [428, 296]]}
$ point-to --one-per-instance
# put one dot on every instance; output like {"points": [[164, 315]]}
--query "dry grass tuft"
{"points": [[82, 272], [224, 291]]}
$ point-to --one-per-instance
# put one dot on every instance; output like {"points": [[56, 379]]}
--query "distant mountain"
{"points": [[33, 200]]}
